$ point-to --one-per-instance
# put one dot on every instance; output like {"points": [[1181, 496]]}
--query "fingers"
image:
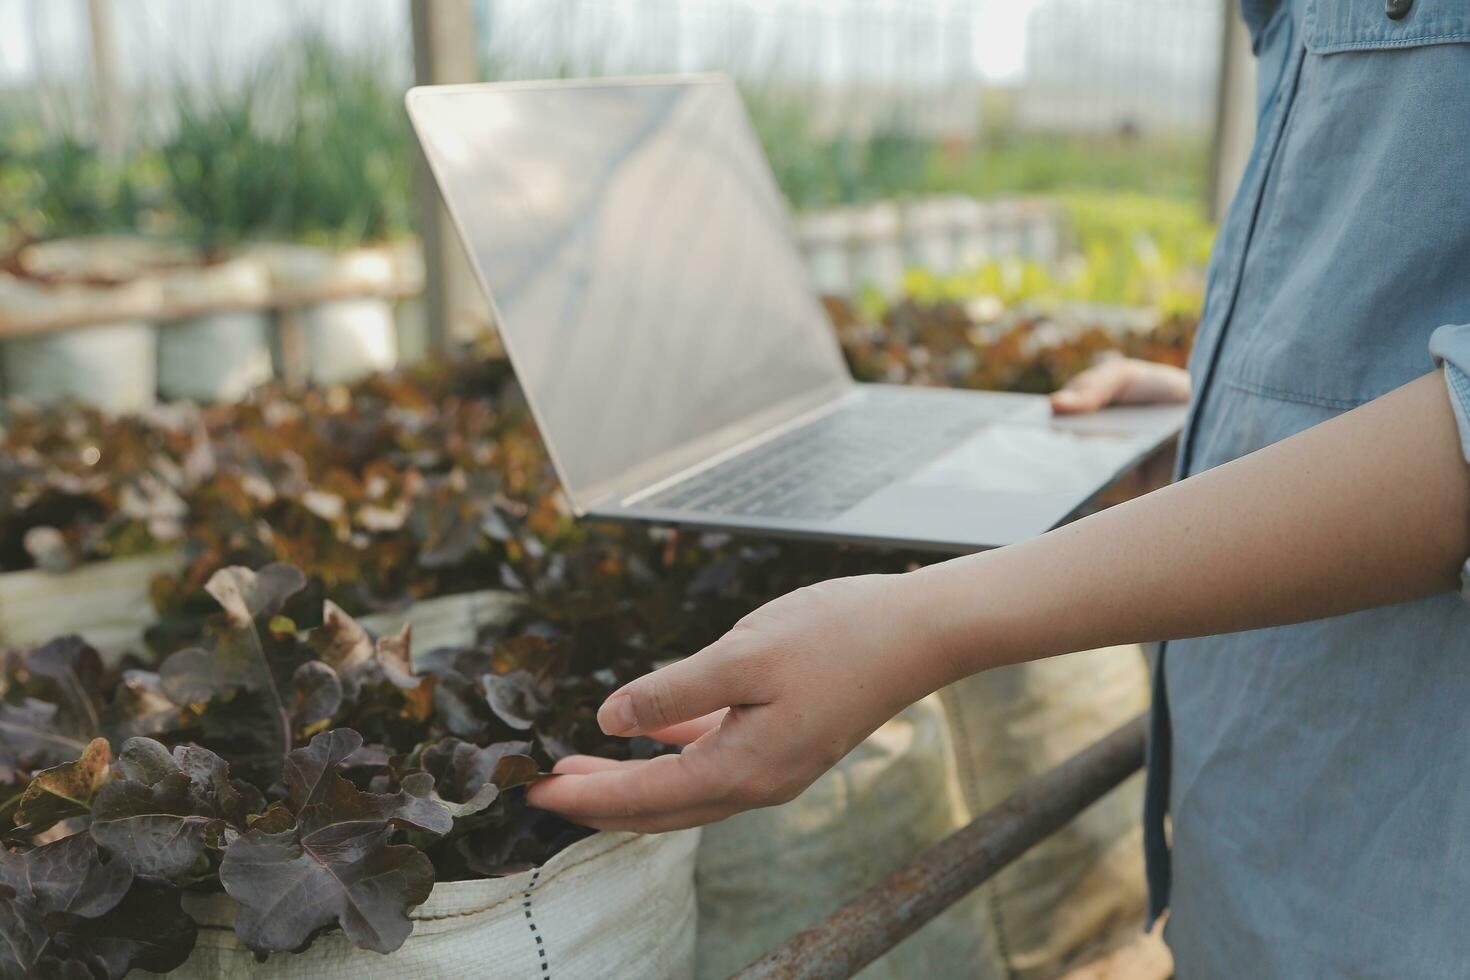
{"points": [[643, 823], [593, 792], [719, 676], [581, 765], [648, 822], [724, 771], [689, 731], [1095, 388], [1122, 381], [1156, 384]]}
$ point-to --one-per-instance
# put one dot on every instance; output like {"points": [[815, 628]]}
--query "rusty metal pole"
{"points": [[892, 910]]}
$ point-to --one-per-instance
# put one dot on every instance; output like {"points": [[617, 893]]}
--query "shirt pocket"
{"points": [[1363, 239], [1334, 26]]}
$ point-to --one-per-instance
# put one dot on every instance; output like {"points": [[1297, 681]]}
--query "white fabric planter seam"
{"points": [[531, 887], [608, 905]]}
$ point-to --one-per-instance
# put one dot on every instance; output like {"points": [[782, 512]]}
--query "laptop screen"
{"points": [[639, 258]]}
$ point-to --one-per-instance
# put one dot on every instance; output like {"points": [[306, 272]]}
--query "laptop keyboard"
{"points": [[825, 467]]}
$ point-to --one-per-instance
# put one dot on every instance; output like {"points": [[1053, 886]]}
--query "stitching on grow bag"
{"points": [[525, 904], [559, 871], [535, 933]]}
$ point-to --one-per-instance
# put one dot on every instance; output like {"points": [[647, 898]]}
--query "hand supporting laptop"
{"points": [[1369, 508]]}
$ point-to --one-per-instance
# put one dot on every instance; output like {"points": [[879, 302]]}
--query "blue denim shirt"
{"points": [[1314, 776]]}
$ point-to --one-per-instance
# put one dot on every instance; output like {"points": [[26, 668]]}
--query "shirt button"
{"points": [[1397, 9]]}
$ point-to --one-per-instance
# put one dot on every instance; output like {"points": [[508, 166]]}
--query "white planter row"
{"points": [[124, 367], [218, 356], [154, 348], [848, 248]]}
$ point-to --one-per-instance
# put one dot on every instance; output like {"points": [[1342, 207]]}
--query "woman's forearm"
{"points": [[1369, 508]]}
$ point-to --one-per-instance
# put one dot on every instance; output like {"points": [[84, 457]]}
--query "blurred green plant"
{"points": [[317, 150], [895, 161], [314, 148], [809, 170], [228, 179], [60, 185], [1005, 161], [816, 170], [1127, 249], [350, 148], [1140, 250]]}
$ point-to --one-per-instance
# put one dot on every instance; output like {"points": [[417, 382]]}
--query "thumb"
{"points": [[721, 675], [1095, 388]]}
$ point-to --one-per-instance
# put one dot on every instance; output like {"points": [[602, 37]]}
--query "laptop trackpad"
{"points": [[1031, 459]]}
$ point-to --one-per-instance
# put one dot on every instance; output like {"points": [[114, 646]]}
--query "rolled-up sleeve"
{"points": [[1450, 346]]}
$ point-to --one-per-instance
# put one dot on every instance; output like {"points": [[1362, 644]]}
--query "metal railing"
{"points": [[895, 908]]}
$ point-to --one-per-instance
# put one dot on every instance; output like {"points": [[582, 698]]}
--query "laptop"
{"points": [[641, 266]]}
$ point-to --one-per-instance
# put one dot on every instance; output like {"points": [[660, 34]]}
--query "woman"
{"points": [[1312, 705]]}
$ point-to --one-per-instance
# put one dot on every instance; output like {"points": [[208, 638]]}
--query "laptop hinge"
{"points": [[715, 447]]}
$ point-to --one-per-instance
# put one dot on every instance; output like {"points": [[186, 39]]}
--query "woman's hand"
{"points": [[1127, 381], [762, 712], [1122, 381]]}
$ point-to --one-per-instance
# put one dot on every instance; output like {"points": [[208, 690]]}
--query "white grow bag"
{"points": [[106, 602], [350, 338], [825, 238], [766, 874], [448, 621], [877, 249], [610, 906], [217, 356], [110, 366], [1012, 724], [928, 241]]}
